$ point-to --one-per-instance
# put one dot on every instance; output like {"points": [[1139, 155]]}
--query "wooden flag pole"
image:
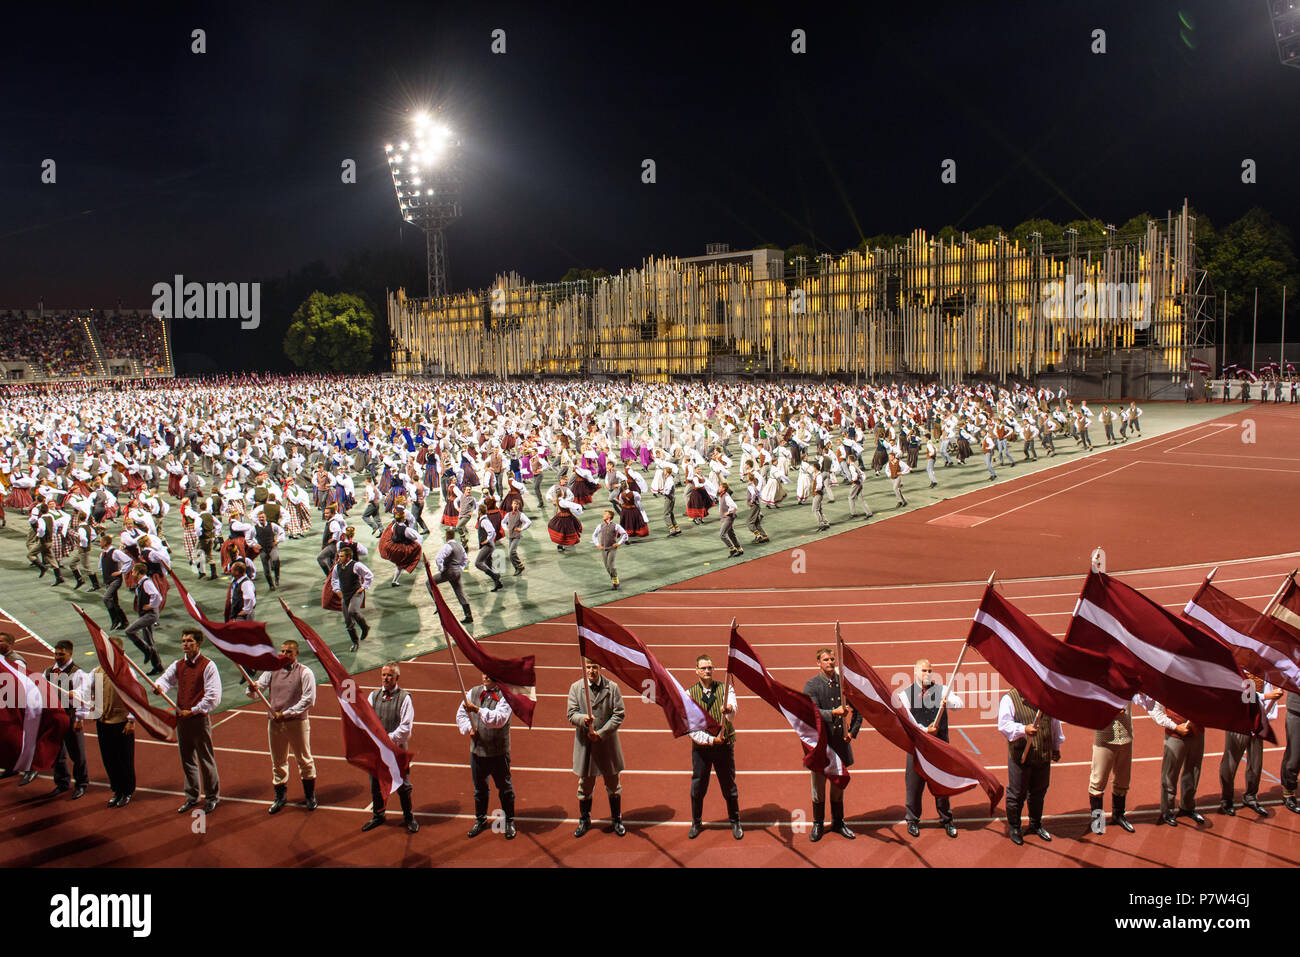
{"points": [[1037, 718], [253, 684], [1278, 594], [961, 656], [586, 688], [147, 680], [455, 666], [839, 659], [726, 689]]}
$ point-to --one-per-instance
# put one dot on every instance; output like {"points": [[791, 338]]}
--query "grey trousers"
{"points": [[608, 556], [1291, 756], [198, 761], [352, 611], [452, 577], [670, 511], [728, 534], [1234, 747], [1181, 766], [513, 553], [817, 509]]}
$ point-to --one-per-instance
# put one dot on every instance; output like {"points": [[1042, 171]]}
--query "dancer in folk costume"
{"points": [[239, 545], [514, 493], [343, 491], [564, 527], [699, 499], [584, 484], [401, 544], [631, 515], [190, 532], [296, 512], [320, 484]]}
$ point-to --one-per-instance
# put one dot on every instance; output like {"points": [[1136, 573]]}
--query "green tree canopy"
{"points": [[1050, 231], [1256, 251], [331, 334]]}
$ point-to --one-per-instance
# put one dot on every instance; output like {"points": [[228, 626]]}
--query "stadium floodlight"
{"points": [[431, 153]]}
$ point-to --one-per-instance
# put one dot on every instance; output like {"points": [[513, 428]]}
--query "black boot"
{"points": [[58, 575], [697, 813], [157, 663], [1098, 823], [508, 808], [94, 582], [352, 633], [1118, 804], [212, 573], [278, 804], [616, 813], [309, 794], [819, 815], [76, 573], [584, 817], [480, 817], [408, 815], [837, 821], [733, 814]]}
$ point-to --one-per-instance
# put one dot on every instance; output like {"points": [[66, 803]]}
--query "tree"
{"points": [[1254, 252], [331, 334], [1050, 231], [986, 234]]}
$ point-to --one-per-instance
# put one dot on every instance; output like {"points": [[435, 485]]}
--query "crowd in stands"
{"points": [[55, 344], [135, 335]]}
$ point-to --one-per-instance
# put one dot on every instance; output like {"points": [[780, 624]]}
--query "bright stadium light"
{"points": [[429, 158]]}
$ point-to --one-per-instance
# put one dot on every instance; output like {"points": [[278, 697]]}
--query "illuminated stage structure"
{"points": [[1133, 312]]}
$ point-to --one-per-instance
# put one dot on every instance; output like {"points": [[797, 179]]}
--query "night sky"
{"points": [[225, 166]]}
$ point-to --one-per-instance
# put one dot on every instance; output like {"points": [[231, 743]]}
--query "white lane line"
{"points": [[1044, 498]]}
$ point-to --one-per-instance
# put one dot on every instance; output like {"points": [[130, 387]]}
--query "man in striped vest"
{"points": [[396, 715], [713, 751], [1181, 765], [488, 725], [1112, 750], [198, 693], [1033, 744], [291, 691]]}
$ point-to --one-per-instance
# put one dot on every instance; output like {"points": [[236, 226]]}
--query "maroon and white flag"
{"points": [[1259, 645], [516, 677], [32, 726], [796, 707], [612, 646], [1286, 607], [365, 742], [246, 643], [1071, 684], [159, 723], [946, 769], [1198, 365], [1181, 665]]}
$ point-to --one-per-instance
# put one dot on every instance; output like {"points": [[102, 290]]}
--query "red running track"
{"points": [[1223, 507]]}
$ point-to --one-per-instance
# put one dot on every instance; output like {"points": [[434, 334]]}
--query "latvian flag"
{"points": [[947, 770], [515, 676], [365, 742], [1286, 608], [1072, 685], [796, 707], [246, 643], [1259, 645], [612, 646], [31, 734], [1179, 664], [1198, 365], [1247, 374], [159, 723]]}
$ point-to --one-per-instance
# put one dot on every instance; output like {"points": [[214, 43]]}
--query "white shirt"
{"points": [[622, 534], [300, 706], [953, 700], [211, 686], [361, 571], [451, 551], [492, 718], [1013, 730]]}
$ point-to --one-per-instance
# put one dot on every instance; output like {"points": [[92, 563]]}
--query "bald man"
{"points": [[924, 700]]}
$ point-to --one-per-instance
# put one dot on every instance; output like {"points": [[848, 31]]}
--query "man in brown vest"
{"points": [[1033, 744], [291, 691], [115, 730], [1181, 765], [713, 751], [198, 693]]}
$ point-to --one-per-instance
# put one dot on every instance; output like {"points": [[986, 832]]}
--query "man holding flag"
{"points": [[1033, 744], [488, 725], [289, 692], [396, 716], [595, 709], [1237, 745], [714, 751], [927, 702], [115, 730], [824, 690], [198, 693]]}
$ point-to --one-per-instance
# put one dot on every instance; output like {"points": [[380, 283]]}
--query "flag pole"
{"points": [[1210, 577], [839, 660], [1037, 717], [586, 689], [455, 666], [253, 684], [727, 688], [1278, 594], [961, 656], [149, 681]]}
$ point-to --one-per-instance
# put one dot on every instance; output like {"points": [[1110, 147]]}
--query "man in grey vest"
{"points": [[485, 717], [351, 579], [824, 690], [397, 717], [269, 536], [595, 709], [607, 537], [291, 691], [513, 525], [1291, 755], [448, 564], [1033, 743], [924, 700]]}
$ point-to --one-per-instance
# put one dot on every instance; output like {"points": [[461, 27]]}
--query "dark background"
{"points": [[225, 166]]}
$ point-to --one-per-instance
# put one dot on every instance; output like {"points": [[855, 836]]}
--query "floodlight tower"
{"points": [[427, 176]]}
